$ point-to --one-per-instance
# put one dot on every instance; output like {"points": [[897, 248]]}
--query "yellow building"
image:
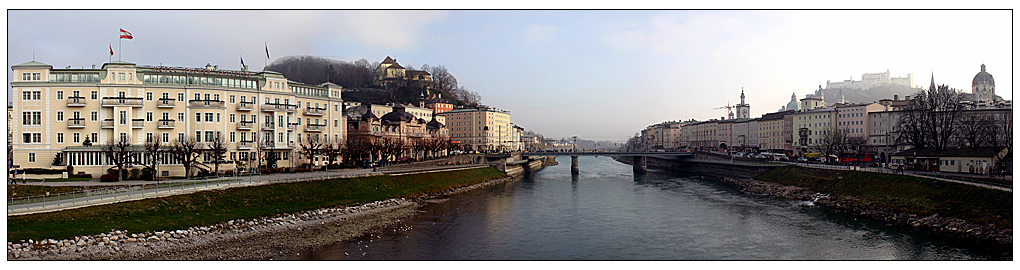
{"points": [[57, 110], [481, 129]]}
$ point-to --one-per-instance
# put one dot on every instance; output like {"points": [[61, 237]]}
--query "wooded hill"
{"points": [[358, 76]]}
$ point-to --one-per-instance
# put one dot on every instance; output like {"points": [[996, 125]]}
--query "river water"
{"points": [[608, 213]]}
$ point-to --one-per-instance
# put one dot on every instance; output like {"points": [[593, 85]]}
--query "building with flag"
{"points": [[64, 116]]}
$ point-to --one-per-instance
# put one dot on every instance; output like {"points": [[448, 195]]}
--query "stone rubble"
{"points": [[122, 243]]}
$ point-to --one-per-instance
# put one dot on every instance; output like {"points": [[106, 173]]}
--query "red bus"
{"points": [[857, 158]]}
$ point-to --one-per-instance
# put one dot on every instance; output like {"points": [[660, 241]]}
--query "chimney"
{"points": [[93, 66], [216, 67], [896, 97]]}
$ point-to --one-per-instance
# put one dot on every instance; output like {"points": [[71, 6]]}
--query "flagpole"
{"points": [[119, 47]]}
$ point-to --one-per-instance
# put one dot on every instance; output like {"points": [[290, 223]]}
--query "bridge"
{"points": [[640, 164]]}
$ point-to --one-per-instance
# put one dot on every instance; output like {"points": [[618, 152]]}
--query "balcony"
{"points": [[315, 111], [106, 123], [166, 123], [206, 104], [292, 126], [245, 106], [121, 101], [268, 126], [76, 123], [314, 128], [166, 103], [75, 101], [245, 125], [245, 144], [137, 123], [269, 107]]}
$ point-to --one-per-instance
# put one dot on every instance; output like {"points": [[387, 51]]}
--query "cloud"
{"points": [[670, 34], [538, 33], [387, 29]]}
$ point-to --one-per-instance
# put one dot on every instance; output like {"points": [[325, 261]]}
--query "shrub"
{"points": [[70, 169], [228, 172], [83, 175], [146, 174], [333, 166], [108, 178], [135, 174], [39, 171]]}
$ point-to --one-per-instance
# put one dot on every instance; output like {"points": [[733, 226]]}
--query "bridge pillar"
{"points": [[573, 165], [640, 164]]}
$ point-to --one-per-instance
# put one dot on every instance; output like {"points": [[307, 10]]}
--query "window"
{"points": [[148, 116], [94, 115], [76, 137], [198, 136], [242, 99], [120, 76], [207, 96], [166, 115], [198, 117], [180, 117], [232, 99], [180, 136], [208, 136], [94, 136], [31, 157], [209, 117], [94, 95], [232, 136], [216, 96], [148, 96], [123, 136], [31, 118], [180, 97], [60, 116], [148, 136], [60, 95], [123, 117], [217, 117], [232, 118], [60, 137]]}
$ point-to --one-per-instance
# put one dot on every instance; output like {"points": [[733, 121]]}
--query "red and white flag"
{"points": [[125, 34], [111, 49]]}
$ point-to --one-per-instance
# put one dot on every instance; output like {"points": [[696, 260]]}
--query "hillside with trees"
{"points": [[358, 77], [870, 95]]}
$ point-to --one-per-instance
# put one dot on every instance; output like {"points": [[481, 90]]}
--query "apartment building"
{"points": [[481, 129]]}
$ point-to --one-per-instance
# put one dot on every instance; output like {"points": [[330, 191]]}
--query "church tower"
{"points": [[743, 109], [983, 86]]}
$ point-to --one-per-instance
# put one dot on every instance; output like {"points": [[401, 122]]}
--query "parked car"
{"points": [[802, 160]]}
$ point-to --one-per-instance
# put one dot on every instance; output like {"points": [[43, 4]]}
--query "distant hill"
{"points": [[867, 96]]}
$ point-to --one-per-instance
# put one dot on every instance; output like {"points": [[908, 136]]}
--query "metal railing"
{"points": [[166, 123], [245, 125], [314, 128], [314, 111], [121, 101], [216, 104], [166, 103], [76, 123], [75, 101], [279, 107]]}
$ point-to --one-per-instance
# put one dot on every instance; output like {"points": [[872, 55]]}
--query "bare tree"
{"points": [[442, 77], [834, 141], [154, 154], [390, 147], [218, 150], [974, 129], [186, 151], [311, 147], [418, 146], [332, 149], [118, 153]]}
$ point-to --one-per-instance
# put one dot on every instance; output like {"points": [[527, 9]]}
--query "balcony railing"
{"points": [[166, 103], [202, 103], [166, 123], [315, 111], [137, 123], [121, 101], [292, 126], [106, 123], [76, 123], [75, 101], [268, 125], [245, 144], [314, 128], [245, 106], [279, 107], [245, 125]]}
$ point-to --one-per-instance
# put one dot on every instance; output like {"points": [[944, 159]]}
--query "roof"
{"points": [[951, 152], [774, 116], [32, 63], [983, 77], [397, 116], [389, 60]]}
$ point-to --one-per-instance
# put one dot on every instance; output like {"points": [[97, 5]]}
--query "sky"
{"points": [[595, 74]]}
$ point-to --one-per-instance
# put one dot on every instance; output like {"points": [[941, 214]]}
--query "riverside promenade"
{"points": [[116, 192]]}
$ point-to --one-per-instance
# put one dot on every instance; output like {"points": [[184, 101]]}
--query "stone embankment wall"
{"points": [[933, 224], [531, 166], [451, 160], [712, 168]]}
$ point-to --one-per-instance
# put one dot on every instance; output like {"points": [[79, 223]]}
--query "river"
{"points": [[607, 213]]}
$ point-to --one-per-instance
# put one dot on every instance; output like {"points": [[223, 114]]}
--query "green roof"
{"points": [[32, 64]]}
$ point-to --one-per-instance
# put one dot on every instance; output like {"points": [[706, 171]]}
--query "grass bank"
{"points": [[905, 193], [209, 207]]}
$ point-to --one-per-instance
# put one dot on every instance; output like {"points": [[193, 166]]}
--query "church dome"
{"points": [[793, 105], [983, 77]]}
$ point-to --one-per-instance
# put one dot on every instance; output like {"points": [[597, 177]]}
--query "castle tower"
{"points": [[743, 109]]}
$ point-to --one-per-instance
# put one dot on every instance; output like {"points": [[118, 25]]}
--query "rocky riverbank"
{"points": [[267, 238], [932, 224]]}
